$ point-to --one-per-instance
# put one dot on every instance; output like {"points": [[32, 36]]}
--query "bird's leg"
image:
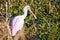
{"points": [[13, 37], [20, 35]]}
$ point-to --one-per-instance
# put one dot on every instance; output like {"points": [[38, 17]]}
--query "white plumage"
{"points": [[18, 21]]}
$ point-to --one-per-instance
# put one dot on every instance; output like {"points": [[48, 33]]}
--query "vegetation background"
{"points": [[47, 12]]}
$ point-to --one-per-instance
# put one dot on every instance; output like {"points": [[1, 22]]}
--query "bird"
{"points": [[18, 21]]}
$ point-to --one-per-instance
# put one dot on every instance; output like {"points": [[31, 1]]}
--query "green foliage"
{"points": [[52, 33], [47, 11]]}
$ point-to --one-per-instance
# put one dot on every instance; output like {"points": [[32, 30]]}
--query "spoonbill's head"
{"points": [[28, 8]]}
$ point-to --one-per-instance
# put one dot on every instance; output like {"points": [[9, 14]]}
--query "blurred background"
{"points": [[47, 12]]}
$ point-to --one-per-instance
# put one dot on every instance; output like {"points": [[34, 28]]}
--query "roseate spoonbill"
{"points": [[18, 21]]}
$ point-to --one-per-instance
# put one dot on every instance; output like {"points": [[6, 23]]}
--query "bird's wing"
{"points": [[17, 20], [17, 25], [14, 22], [13, 27]]}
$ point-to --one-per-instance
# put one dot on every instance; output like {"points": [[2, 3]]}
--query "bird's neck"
{"points": [[25, 14]]}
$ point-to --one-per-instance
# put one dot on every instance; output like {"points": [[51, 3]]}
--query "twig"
{"points": [[3, 37], [7, 22]]}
